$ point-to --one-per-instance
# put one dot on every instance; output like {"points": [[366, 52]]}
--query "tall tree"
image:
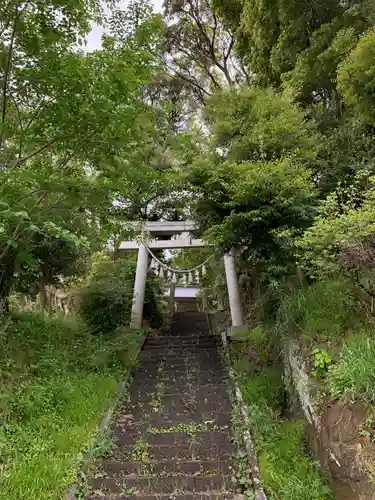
{"points": [[200, 47], [65, 116]]}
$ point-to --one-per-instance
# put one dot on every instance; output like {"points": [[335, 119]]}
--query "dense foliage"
{"points": [[255, 118], [106, 300]]}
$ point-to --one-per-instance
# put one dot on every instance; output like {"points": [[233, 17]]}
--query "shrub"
{"points": [[105, 305], [105, 302], [354, 374]]}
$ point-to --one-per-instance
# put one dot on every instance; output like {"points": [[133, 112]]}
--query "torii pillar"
{"points": [[139, 287], [236, 313]]}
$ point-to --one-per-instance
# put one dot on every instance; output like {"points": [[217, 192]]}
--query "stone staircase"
{"points": [[173, 437]]}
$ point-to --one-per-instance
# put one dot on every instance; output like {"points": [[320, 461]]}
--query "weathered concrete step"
{"points": [[195, 336], [128, 433], [177, 379], [204, 361], [146, 388], [181, 353], [170, 406], [207, 374], [180, 330], [167, 468], [183, 341], [141, 486], [203, 394], [166, 421], [168, 496], [211, 439], [178, 351], [161, 363], [186, 452]]}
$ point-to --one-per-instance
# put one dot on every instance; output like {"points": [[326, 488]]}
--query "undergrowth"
{"points": [[287, 470], [56, 381], [319, 312], [353, 374]]}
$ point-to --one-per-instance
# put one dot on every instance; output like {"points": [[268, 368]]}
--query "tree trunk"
{"points": [[43, 294], [7, 269]]}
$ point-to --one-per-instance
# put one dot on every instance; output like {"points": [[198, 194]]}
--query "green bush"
{"points": [[353, 376], [105, 305], [105, 302]]}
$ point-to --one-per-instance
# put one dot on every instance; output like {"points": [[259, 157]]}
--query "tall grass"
{"points": [[353, 376], [287, 470], [322, 311], [56, 380]]}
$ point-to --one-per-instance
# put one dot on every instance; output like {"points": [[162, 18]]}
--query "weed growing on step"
{"points": [[129, 491], [105, 444], [140, 451]]}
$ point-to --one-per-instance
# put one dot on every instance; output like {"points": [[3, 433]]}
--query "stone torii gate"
{"points": [[149, 243]]}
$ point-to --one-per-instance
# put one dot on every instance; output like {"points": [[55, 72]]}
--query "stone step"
{"points": [[181, 349], [144, 394], [172, 405], [187, 333], [177, 379], [188, 451], [203, 360], [162, 363], [173, 419], [211, 439], [169, 350], [193, 339], [175, 371], [144, 390], [175, 355], [168, 496], [144, 485], [167, 468]]}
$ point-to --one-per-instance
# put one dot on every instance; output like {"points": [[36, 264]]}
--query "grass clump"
{"points": [[287, 469], [353, 375], [319, 312], [56, 381]]}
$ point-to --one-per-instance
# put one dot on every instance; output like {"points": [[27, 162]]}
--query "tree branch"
{"points": [[191, 81], [34, 115], [20, 161], [6, 77]]}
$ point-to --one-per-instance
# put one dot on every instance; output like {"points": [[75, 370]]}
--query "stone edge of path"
{"points": [[245, 434], [106, 419]]}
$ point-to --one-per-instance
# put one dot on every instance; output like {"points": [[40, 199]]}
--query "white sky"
{"points": [[94, 38]]}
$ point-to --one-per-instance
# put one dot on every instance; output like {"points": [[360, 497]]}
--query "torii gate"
{"points": [[171, 228]]}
